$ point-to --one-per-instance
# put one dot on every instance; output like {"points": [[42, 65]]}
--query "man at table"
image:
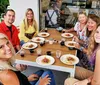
{"points": [[9, 29]]}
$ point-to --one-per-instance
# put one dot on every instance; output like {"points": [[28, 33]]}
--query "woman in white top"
{"points": [[80, 27]]}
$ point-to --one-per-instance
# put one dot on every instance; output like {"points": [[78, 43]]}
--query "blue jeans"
{"points": [[22, 42], [42, 74]]}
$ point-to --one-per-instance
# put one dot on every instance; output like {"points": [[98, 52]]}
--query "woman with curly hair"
{"points": [[90, 77], [28, 27]]}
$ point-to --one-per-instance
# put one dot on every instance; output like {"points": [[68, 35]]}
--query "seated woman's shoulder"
{"points": [[8, 77], [98, 52]]}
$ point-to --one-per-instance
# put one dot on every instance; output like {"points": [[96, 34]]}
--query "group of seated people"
{"points": [[88, 50], [10, 42], [88, 46]]}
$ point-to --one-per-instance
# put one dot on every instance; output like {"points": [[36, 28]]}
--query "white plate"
{"points": [[43, 34], [69, 61], [67, 35], [70, 44], [29, 45], [40, 61], [38, 39]]}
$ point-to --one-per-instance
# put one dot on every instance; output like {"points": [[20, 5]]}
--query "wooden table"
{"points": [[30, 59]]}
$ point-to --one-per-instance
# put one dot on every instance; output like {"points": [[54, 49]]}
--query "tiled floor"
{"points": [[59, 76]]}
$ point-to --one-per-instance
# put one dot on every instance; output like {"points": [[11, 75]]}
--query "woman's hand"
{"points": [[83, 82], [77, 45], [45, 80], [33, 77], [21, 67], [76, 39]]}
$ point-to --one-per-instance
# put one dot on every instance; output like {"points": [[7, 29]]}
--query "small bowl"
{"points": [[49, 53], [31, 50], [60, 29]]}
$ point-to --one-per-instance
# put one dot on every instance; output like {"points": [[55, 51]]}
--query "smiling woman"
{"points": [[10, 73]]}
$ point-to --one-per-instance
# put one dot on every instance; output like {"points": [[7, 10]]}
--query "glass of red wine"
{"points": [[22, 53]]}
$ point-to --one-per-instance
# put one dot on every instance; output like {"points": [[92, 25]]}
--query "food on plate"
{"points": [[46, 60], [71, 44], [70, 59], [38, 39], [67, 34], [43, 34], [30, 46]]}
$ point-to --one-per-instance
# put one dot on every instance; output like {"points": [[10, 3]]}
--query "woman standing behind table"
{"points": [[9, 75], [28, 27], [90, 78]]}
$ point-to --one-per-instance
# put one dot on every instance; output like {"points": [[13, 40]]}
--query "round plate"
{"points": [[45, 60], [70, 44], [29, 45], [69, 59], [67, 35], [43, 34], [38, 39]]}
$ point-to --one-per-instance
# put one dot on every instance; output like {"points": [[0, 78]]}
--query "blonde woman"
{"points": [[9, 75], [28, 27], [80, 28], [89, 77]]}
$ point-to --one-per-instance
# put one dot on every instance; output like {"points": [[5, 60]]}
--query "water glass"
{"points": [[51, 41], [58, 53], [39, 51], [46, 29]]}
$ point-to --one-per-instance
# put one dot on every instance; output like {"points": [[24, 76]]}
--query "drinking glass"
{"points": [[22, 53], [58, 53], [46, 29], [39, 51], [31, 50]]}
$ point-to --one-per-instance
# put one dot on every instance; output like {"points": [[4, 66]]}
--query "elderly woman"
{"points": [[9, 75], [28, 27]]}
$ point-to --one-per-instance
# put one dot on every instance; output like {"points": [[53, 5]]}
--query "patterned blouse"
{"points": [[81, 33]]}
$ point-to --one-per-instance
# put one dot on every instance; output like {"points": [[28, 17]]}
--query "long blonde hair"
{"points": [[7, 64], [92, 44], [33, 20]]}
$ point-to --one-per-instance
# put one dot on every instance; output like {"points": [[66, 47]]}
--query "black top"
{"points": [[10, 29], [22, 78]]}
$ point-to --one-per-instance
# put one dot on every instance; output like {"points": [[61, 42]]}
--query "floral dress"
{"points": [[84, 61]]}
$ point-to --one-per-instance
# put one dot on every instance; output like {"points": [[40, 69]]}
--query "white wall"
{"points": [[20, 7]]}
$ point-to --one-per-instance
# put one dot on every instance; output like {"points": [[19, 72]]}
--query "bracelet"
{"points": [[81, 48]]}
